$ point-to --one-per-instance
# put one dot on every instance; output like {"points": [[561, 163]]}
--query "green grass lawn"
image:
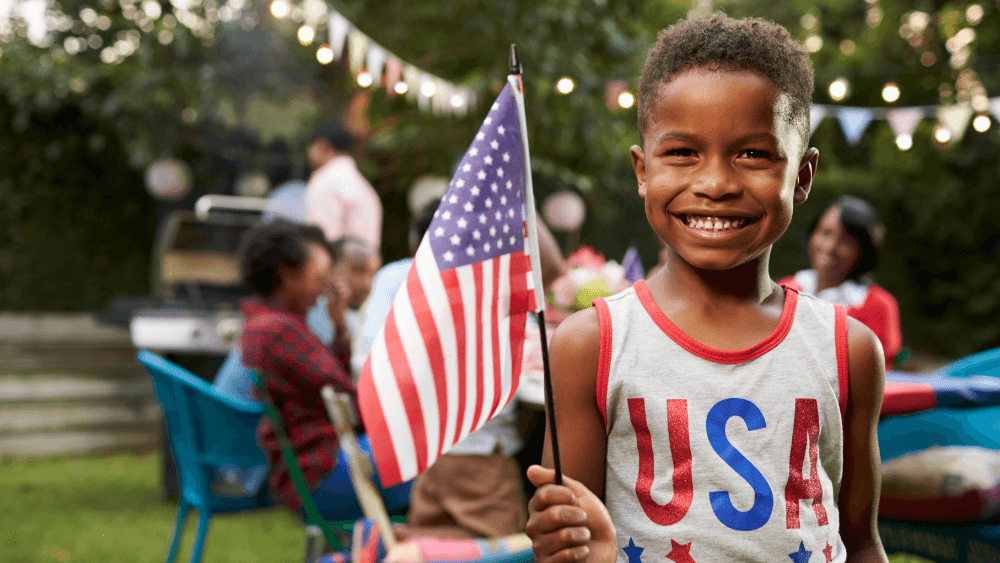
{"points": [[107, 510]]}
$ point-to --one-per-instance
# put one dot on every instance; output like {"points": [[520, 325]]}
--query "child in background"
{"points": [[717, 415], [843, 250]]}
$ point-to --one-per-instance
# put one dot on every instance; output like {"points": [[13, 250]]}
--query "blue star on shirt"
{"points": [[800, 556], [633, 551]]}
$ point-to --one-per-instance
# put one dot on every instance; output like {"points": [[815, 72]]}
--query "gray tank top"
{"points": [[723, 455]]}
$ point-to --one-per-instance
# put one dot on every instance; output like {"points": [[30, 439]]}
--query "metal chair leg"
{"points": [[315, 543], [175, 539]]}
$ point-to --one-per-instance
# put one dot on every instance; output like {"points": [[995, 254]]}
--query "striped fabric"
{"points": [[449, 355]]}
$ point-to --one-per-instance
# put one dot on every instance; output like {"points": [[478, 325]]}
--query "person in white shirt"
{"points": [[338, 198]]}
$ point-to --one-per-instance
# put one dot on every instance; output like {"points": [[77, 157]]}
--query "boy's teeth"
{"points": [[715, 223]]}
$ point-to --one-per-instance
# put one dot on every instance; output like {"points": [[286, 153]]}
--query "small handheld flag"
{"points": [[449, 355]]}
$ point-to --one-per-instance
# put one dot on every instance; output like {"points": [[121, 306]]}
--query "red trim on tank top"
{"points": [[604, 358], [840, 337], [712, 354]]}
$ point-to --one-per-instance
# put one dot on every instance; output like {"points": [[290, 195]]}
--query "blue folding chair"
{"points": [[210, 435]]}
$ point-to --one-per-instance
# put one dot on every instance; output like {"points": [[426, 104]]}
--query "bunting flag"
{"points": [[448, 357], [393, 74], [853, 122], [632, 264], [338, 29], [956, 118], [904, 121], [375, 61], [816, 114], [357, 47]]}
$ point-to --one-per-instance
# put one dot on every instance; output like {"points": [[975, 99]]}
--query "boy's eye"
{"points": [[680, 152], [755, 153]]}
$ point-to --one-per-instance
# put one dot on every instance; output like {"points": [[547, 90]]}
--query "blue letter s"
{"points": [[760, 512]]}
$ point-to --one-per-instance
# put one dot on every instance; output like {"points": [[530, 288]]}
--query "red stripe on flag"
{"points": [[432, 342], [520, 265], [495, 331], [407, 389], [454, 292], [477, 276], [373, 417]]}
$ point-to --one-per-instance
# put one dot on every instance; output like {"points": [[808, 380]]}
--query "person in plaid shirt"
{"points": [[288, 266]]}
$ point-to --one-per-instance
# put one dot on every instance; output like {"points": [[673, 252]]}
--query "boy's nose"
{"points": [[716, 181]]}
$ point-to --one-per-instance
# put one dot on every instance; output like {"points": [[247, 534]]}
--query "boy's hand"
{"points": [[568, 524]]}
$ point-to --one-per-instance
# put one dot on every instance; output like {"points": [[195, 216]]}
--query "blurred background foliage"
{"points": [[78, 128]]}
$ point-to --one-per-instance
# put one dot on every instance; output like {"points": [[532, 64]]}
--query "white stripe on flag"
{"points": [[393, 411], [434, 290], [467, 285], [420, 367], [503, 317], [488, 299]]}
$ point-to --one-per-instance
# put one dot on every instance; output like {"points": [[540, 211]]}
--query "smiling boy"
{"points": [[718, 415]]}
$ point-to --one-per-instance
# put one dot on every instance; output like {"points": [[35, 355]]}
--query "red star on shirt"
{"points": [[681, 553], [828, 552]]}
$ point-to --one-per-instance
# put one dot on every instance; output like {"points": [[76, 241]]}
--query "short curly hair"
{"points": [[724, 43], [270, 247]]}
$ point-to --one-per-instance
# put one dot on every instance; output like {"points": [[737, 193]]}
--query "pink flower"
{"points": [[586, 257]]}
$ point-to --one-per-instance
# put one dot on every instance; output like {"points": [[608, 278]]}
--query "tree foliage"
{"points": [[187, 96]]}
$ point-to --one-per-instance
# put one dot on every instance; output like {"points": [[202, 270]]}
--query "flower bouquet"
{"points": [[589, 276]]}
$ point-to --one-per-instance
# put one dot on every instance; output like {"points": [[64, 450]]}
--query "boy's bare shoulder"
{"points": [[865, 360], [580, 330], [576, 346]]}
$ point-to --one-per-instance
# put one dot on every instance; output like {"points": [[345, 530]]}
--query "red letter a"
{"points": [[680, 451], [806, 431]]}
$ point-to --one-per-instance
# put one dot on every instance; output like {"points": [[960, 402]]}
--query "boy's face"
{"points": [[720, 169]]}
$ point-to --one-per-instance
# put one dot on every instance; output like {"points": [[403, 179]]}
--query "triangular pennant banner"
{"points": [[411, 75], [816, 114], [853, 122], [375, 61], [357, 49], [339, 26], [995, 108], [955, 118], [904, 121], [393, 73]]}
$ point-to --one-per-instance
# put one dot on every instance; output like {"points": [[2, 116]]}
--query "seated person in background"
{"points": [[843, 250], [288, 267], [355, 262]]}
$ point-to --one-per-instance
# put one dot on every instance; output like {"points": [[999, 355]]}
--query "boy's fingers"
{"points": [[557, 519], [576, 554], [550, 495]]}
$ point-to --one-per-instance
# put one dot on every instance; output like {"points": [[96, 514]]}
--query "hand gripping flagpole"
{"points": [[536, 265]]}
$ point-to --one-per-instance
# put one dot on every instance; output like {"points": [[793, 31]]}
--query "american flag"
{"points": [[449, 355]]}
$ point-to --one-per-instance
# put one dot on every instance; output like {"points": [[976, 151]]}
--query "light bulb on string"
{"points": [[306, 35], [457, 101], [428, 89], [942, 134], [904, 142], [565, 85], [981, 123], [626, 99], [890, 93], [401, 88], [279, 8], [324, 54], [365, 79], [838, 89]]}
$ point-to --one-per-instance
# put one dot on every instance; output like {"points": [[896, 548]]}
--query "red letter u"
{"points": [[680, 451]]}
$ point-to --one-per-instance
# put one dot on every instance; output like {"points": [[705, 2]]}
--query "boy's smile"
{"points": [[714, 169]]}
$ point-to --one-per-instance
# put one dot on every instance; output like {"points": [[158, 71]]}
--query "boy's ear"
{"points": [[807, 171], [639, 165]]}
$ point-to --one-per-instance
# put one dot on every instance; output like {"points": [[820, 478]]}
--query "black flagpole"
{"points": [[550, 406]]}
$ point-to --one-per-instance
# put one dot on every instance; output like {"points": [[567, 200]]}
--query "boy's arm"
{"points": [[569, 524], [862, 479], [573, 358]]}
